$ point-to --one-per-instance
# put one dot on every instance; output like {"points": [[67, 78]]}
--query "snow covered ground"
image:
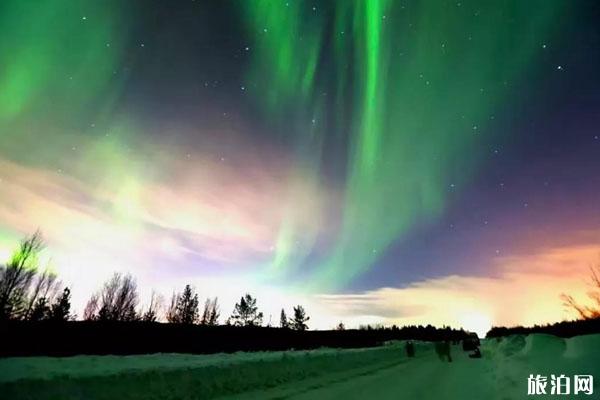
{"points": [[380, 373]]}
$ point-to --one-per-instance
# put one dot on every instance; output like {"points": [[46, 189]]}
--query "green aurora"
{"points": [[409, 100], [414, 97]]}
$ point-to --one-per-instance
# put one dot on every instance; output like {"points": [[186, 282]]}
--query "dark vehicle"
{"points": [[471, 343], [475, 354]]}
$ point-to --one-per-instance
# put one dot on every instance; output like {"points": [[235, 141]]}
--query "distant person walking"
{"points": [[443, 350], [410, 349]]}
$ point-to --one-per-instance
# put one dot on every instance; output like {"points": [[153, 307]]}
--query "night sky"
{"points": [[377, 161]]}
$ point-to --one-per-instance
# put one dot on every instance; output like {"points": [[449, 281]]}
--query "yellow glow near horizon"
{"points": [[476, 321]]}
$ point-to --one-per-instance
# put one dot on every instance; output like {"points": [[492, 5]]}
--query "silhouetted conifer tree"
{"points": [[184, 307], [283, 320], [61, 308], [40, 310], [245, 313], [300, 318]]}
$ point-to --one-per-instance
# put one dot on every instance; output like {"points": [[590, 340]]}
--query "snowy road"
{"points": [[501, 374], [403, 381], [424, 377], [375, 373]]}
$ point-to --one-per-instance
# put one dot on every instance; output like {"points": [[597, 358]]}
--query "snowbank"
{"points": [[178, 376], [514, 358], [47, 368]]}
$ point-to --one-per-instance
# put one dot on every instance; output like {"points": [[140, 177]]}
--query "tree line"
{"points": [[118, 301], [565, 329], [28, 293], [31, 294]]}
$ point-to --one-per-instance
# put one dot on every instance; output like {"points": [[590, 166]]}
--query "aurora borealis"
{"points": [[388, 79], [372, 159]]}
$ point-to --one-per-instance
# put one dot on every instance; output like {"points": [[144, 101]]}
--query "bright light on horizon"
{"points": [[476, 321]]}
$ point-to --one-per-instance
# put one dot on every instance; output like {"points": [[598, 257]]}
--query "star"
{"points": [[559, 67]]}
